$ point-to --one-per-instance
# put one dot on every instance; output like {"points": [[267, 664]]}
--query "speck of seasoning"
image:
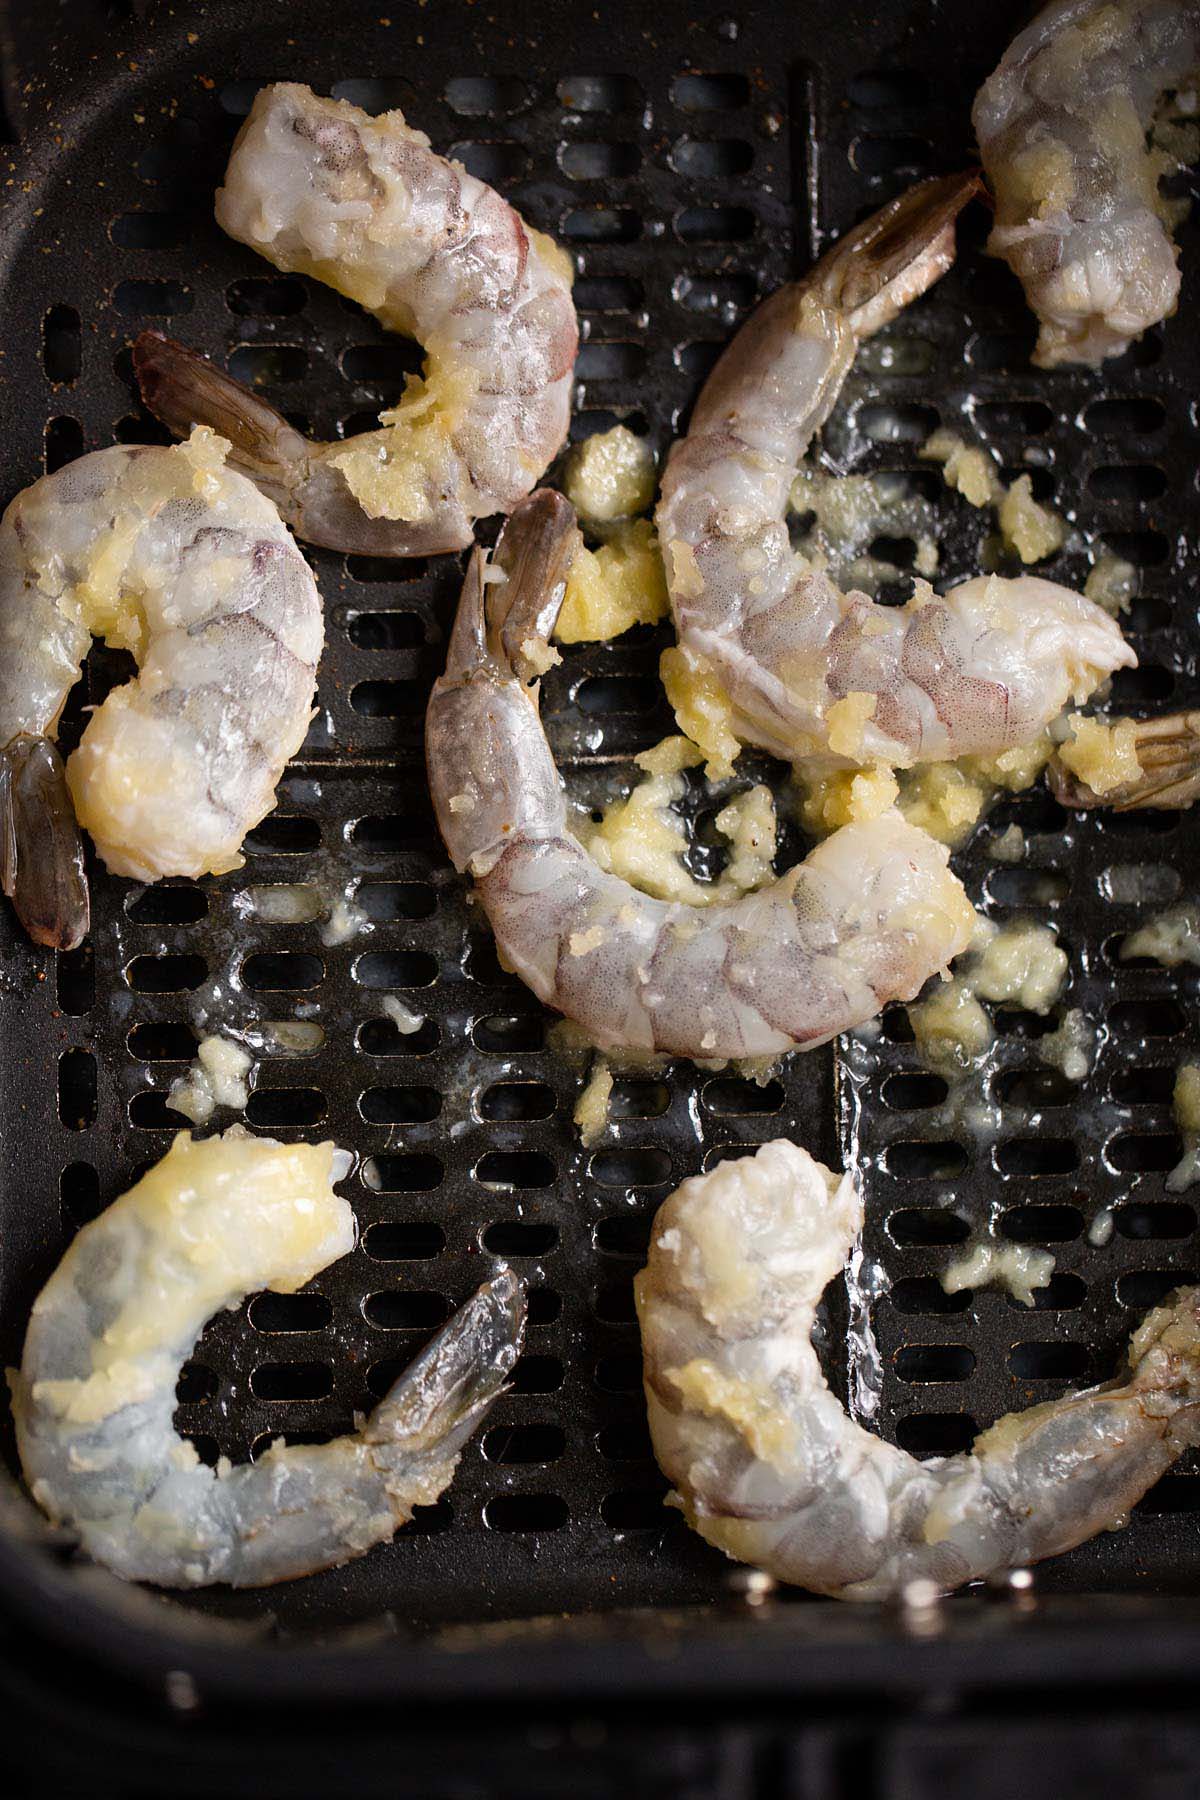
{"points": [[206, 81], [193, 37]]}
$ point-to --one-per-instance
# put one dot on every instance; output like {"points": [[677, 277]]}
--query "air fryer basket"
{"points": [[692, 159]]}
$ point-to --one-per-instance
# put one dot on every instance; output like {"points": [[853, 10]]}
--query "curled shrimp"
{"points": [[810, 671], [1062, 126], [168, 554], [1167, 752], [770, 1469], [95, 1395], [364, 204], [870, 914]]}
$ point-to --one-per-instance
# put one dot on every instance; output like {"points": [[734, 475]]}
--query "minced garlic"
{"points": [[610, 476], [1103, 756], [591, 1108], [1015, 1266], [702, 708], [612, 588], [218, 1077], [1186, 1107]]}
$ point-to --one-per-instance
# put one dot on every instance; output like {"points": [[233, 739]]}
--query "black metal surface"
{"points": [[693, 160]]}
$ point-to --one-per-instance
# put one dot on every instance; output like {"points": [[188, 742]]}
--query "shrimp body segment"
{"points": [[1062, 126], [95, 1395], [810, 671], [168, 554], [867, 918], [363, 203], [770, 1469]]}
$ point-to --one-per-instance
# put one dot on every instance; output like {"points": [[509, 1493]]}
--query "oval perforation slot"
{"points": [[290, 1312], [404, 1240], [62, 345], [397, 1173], [281, 1108], [526, 1512], [79, 1194], [936, 1433], [511, 1100], [524, 1445], [400, 1105], [283, 1382], [407, 1309]]}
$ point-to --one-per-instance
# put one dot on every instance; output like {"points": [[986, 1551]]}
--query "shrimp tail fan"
{"points": [[435, 1405], [41, 849], [184, 389], [894, 256]]}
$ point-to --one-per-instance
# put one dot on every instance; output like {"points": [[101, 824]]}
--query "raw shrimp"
{"points": [[168, 554], [810, 671], [1062, 127], [867, 918], [364, 204], [1168, 756], [94, 1399], [770, 1469]]}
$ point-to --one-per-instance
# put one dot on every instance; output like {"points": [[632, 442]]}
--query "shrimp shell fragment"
{"points": [[364, 204], [770, 1469], [94, 1400], [1062, 127], [810, 671], [166, 553], [867, 918]]}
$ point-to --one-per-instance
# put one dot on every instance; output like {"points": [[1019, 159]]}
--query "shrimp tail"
{"points": [[1168, 752], [41, 850], [534, 552], [879, 268], [183, 389], [436, 1404]]}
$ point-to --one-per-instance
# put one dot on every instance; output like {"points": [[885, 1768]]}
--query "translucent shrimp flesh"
{"points": [[364, 204], [768, 1467], [1166, 751], [870, 914], [811, 672], [166, 553], [1062, 126], [94, 1399]]}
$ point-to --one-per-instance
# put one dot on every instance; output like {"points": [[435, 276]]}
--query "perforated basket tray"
{"points": [[691, 159]]}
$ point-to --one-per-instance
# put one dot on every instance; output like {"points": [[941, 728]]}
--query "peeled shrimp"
{"points": [[1168, 756], [168, 554], [870, 914], [810, 671], [770, 1469], [364, 204], [94, 1399], [1062, 127]]}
